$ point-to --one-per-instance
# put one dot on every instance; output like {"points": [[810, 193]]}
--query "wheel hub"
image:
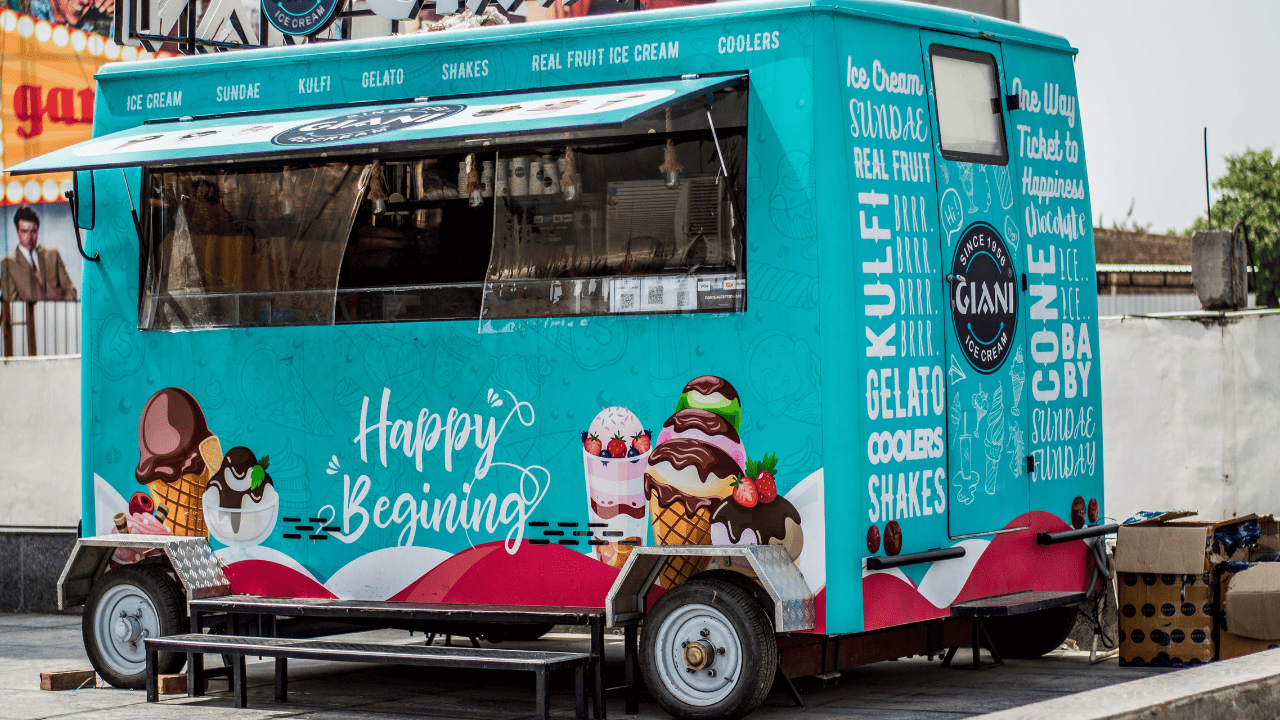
{"points": [[699, 655], [127, 628]]}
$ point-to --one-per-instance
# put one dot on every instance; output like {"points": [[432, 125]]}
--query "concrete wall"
{"points": [[1191, 414], [40, 442]]}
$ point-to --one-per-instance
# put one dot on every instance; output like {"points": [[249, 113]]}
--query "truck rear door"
{"points": [[985, 330]]}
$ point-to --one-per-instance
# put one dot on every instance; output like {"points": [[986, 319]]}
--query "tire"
{"points": [[126, 605], [726, 618], [1033, 634]]}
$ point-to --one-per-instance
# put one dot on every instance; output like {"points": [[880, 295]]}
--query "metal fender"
{"points": [[191, 558], [794, 606]]}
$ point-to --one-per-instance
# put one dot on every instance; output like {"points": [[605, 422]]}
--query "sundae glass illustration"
{"points": [[241, 504], [615, 454]]}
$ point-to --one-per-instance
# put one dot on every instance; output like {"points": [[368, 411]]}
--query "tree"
{"points": [[1250, 190]]}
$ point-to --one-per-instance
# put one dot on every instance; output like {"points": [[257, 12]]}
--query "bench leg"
{"points": [[153, 683], [597, 662], [195, 661], [239, 689], [282, 679], [542, 701], [632, 669], [580, 692]]}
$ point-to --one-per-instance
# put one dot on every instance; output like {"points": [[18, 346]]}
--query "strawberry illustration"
{"points": [[141, 503], [641, 442], [744, 492], [617, 447], [762, 472], [592, 445]]}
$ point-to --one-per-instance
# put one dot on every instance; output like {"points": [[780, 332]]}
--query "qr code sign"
{"points": [[627, 301], [682, 298], [656, 294]]}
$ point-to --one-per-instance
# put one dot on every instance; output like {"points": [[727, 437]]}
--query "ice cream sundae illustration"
{"points": [[756, 515], [241, 503], [615, 450], [177, 453]]}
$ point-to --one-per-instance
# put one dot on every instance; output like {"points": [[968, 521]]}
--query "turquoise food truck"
{"points": [[771, 325]]}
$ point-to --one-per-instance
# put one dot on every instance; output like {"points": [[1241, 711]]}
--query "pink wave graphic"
{"points": [[270, 579], [1012, 562]]}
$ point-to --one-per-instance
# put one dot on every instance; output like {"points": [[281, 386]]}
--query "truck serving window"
{"points": [[967, 91], [643, 217], [260, 246], [633, 241]]}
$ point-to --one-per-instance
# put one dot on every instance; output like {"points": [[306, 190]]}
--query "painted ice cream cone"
{"points": [[177, 454], [686, 478], [672, 525]]}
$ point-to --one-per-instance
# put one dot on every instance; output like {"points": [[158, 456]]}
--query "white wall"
{"points": [[40, 442], [1191, 414]]}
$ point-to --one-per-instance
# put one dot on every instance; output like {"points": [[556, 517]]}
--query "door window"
{"points": [[967, 91]]}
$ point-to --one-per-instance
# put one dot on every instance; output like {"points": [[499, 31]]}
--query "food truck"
{"points": [[771, 325]]}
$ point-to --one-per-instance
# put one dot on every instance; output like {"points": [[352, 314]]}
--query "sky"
{"points": [[1151, 76]]}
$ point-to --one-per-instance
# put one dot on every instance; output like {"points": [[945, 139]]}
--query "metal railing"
{"points": [[47, 327]]}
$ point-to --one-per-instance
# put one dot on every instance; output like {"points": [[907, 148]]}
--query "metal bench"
{"points": [[240, 609], [539, 663]]}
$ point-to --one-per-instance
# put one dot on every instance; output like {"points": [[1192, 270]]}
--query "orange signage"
{"points": [[46, 97]]}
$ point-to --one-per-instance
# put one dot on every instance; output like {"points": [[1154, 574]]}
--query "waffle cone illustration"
{"points": [[686, 478], [671, 526], [182, 496], [177, 455]]}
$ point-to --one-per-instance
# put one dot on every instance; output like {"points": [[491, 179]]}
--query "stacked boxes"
{"points": [[1170, 573]]}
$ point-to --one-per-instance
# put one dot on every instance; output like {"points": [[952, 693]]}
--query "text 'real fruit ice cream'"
{"points": [[615, 452], [177, 453]]}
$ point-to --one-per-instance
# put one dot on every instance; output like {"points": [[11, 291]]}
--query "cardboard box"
{"points": [[1167, 585], [1166, 619], [1250, 618]]}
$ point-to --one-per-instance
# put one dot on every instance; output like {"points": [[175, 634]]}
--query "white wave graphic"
{"points": [[944, 580]]}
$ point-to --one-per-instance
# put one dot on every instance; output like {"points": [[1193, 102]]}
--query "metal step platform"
{"points": [[540, 663], [1004, 606], [241, 610], [1016, 604]]}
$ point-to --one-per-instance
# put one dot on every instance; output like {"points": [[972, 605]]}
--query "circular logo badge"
{"points": [[365, 124], [300, 17], [984, 297]]}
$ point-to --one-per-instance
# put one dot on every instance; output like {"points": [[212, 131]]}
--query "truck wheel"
{"points": [[127, 605], [708, 651], [1032, 634]]}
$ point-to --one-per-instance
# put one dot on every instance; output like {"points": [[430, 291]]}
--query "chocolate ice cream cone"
{"points": [[673, 526], [183, 496], [685, 480], [186, 516]]}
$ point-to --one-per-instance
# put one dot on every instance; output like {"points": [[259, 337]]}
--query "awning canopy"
{"points": [[396, 127]]}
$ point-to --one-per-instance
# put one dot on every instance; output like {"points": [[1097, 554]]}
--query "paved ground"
{"points": [[901, 690]]}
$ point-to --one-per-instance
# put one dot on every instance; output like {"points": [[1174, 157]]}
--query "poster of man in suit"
{"points": [[33, 269]]}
